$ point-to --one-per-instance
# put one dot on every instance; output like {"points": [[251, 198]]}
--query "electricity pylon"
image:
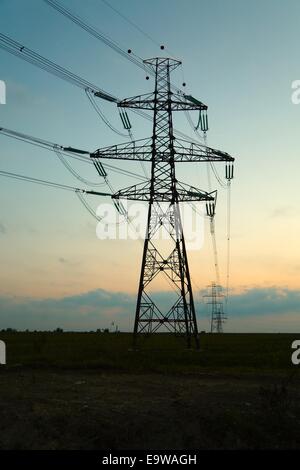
{"points": [[217, 313], [164, 192]]}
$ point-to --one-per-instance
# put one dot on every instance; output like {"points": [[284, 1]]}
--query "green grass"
{"points": [[160, 353]]}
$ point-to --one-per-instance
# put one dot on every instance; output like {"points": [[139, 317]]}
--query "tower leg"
{"points": [[181, 317]]}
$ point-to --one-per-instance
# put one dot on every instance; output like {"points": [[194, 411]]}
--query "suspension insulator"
{"points": [[128, 124], [213, 209], [120, 208], [210, 209], [199, 121], [100, 168], [229, 171], [125, 120], [203, 121]]}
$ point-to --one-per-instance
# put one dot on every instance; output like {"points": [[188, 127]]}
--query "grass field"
{"points": [[91, 391], [159, 353]]}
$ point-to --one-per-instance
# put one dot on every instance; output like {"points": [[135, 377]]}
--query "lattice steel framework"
{"points": [[164, 193], [217, 314]]}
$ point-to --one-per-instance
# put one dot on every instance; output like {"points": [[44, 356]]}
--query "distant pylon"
{"points": [[217, 313]]}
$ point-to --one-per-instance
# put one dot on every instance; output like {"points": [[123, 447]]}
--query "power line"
{"points": [[129, 55], [38, 60], [95, 32], [87, 206], [124, 172], [215, 251], [74, 172], [60, 151], [17, 49], [221, 183], [51, 184], [41, 143], [142, 31], [131, 23], [190, 121], [78, 192], [101, 114], [228, 237]]}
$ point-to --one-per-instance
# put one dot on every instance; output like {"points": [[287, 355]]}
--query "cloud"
{"points": [[265, 301], [284, 212], [271, 309], [21, 95], [68, 262], [90, 310]]}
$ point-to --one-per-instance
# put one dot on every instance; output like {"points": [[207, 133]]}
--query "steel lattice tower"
{"points": [[164, 192], [217, 313]]}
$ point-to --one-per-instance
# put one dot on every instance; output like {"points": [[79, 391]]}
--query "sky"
{"points": [[239, 57]]}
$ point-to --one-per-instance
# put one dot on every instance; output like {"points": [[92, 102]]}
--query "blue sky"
{"points": [[239, 57]]}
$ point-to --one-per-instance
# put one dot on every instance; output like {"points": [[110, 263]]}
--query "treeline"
{"points": [[57, 330]]}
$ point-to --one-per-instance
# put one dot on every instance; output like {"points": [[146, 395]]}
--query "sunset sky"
{"points": [[239, 57]]}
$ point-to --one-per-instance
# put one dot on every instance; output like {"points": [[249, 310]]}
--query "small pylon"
{"points": [[217, 313]]}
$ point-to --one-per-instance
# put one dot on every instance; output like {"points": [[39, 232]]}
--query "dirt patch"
{"points": [[48, 409]]}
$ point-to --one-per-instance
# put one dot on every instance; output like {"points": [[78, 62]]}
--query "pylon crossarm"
{"points": [[190, 193], [192, 152], [177, 103], [134, 150], [137, 192], [142, 150], [183, 193], [141, 101]]}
